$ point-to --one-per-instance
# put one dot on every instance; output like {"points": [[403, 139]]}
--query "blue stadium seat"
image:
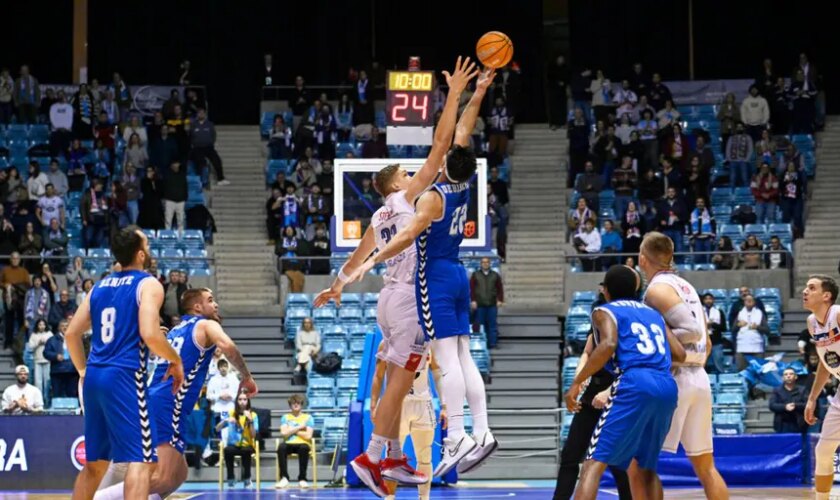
{"points": [[99, 252], [728, 424], [74, 252], [721, 195], [200, 272], [704, 267], [351, 299], [370, 313], [65, 404], [780, 229], [323, 313], [720, 294], [338, 346], [298, 312], [298, 299], [167, 234], [350, 313], [370, 299], [757, 229], [195, 253], [171, 253], [322, 402], [733, 231]]}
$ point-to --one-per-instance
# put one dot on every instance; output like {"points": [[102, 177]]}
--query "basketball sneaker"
{"points": [[485, 447], [398, 470], [454, 452], [369, 474]]}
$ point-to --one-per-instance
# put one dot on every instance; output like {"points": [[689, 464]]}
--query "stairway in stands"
{"points": [[245, 263], [534, 268], [522, 397], [817, 251]]}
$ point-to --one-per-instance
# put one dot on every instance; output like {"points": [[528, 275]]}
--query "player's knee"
{"points": [[824, 453]]}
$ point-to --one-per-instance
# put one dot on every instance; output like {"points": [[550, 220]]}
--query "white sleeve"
{"points": [[7, 398], [593, 245], [213, 389], [38, 400]]}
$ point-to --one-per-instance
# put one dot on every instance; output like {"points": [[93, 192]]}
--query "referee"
{"points": [[574, 449]]}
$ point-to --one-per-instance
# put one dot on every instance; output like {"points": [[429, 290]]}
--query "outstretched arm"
{"points": [[457, 82], [466, 124], [362, 252], [216, 335]]}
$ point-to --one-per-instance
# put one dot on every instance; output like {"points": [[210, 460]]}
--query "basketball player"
{"points": [[396, 309], [819, 296], [417, 418], [630, 340], [443, 295], [678, 302], [196, 338], [122, 310]]}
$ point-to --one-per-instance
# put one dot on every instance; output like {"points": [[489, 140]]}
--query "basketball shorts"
{"points": [[692, 423], [168, 428], [118, 426], [417, 414], [443, 298], [405, 344], [635, 420]]}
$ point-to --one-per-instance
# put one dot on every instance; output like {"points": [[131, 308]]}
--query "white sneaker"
{"points": [[454, 452], [223, 182], [487, 444], [283, 483], [248, 484], [303, 484]]}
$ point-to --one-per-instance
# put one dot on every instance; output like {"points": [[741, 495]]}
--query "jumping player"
{"points": [[195, 338], [678, 302], [417, 418], [397, 310], [819, 296], [123, 312], [630, 340], [443, 295]]}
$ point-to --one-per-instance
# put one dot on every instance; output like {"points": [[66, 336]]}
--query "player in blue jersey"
{"points": [[442, 293], [196, 338], [123, 312], [633, 342]]}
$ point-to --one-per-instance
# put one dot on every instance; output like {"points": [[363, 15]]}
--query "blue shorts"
{"points": [[636, 419], [443, 299], [162, 403], [118, 426]]}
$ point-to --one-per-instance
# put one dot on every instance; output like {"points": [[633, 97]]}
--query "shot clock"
{"points": [[409, 98]]}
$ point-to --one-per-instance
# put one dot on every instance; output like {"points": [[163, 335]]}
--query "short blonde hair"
{"points": [[658, 248], [383, 179]]}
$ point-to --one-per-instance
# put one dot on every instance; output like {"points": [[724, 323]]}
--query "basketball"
{"points": [[494, 49]]}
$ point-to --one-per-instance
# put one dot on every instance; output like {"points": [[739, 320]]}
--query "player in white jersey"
{"points": [[417, 419], [678, 302], [397, 310], [819, 296]]}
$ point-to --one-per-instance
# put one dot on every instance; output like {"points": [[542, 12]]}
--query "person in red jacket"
{"points": [[765, 188]]}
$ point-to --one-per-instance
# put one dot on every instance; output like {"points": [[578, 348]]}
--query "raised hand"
{"points": [[461, 76], [485, 79], [324, 297]]}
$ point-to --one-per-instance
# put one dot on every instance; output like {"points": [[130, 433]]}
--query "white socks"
{"points": [[115, 492], [375, 446], [476, 396], [394, 448], [452, 380]]}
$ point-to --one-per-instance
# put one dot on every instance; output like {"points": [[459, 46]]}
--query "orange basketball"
{"points": [[494, 49]]}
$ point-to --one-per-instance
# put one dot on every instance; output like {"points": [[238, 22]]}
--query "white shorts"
{"points": [[405, 342], [417, 414], [831, 425], [691, 424]]}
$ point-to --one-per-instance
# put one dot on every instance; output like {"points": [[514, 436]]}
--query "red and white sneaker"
{"points": [[369, 474], [397, 469]]}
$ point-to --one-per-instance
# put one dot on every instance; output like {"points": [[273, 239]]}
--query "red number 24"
{"points": [[421, 105]]}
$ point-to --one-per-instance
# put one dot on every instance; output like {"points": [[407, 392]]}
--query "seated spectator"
{"points": [[752, 327], [716, 325], [672, 213], [242, 425], [667, 116], [792, 197], [281, 183], [62, 310], [802, 93], [765, 188], [37, 182], [280, 143], [788, 405], [307, 344], [37, 340], [739, 151], [736, 306], [624, 182], [586, 241], [750, 259], [22, 398], [76, 275], [729, 116], [589, 184], [633, 227], [375, 147], [755, 113], [578, 216], [57, 178], [175, 195], [777, 258], [63, 375], [305, 175], [221, 389], [702, 229], [676, 147], [30, 247], [577, 130], [296, 430], [610, 243]]}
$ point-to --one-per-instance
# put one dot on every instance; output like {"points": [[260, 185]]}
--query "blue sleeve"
{"points": [[256, 422], [310, 422], [284, 420], [50, 351]]}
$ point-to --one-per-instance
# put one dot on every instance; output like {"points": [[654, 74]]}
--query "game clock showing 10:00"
{"points": [[409, 98]]}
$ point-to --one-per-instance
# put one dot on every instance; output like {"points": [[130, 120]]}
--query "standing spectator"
{"points": [[624, 182], [578, 133], [803, 94], [697, 182], [677, 147], [633, 227], [122, 94], [87, 285], [55, 240], [37, 304], [203, 138], [84, 111], [268, 70], [163, 150], [46, 103], [300, 97], [22, 398], [30, 246], [63, 375], [588, 241], [296, 438], [765, 149], [581, 93], [76, 275], [50, 205], [174, 196], [765, 188], [739, 153], [172, 292], [736, 306], [242, 425], [702, 230], [179, 128], [558, 92], [606, 149], [375, 147], [7, 90], [135, 127], [640, 108], [61, 123], [306, 174], [651, 190], [27, 96], [291, 208], [780, 107], [766, 79], [274, 213], [221, 390], [715, 325], [325, 133], [118, 203], [639, 80], [610, 243], [752, 325], [57, 178], [601, 90], [792, 197], [777, 258], [63, 310], [750, 258], [659, 93], [280, 144], [755, 113], [168, 108], [500, 187], [724, 260], [344, 115], [37, 182], [625, 128], [307, 344], [625, 100], [316, 210], [788, 405], [673, 214], [579, 215], [704, 154], [110, 108], [648, 130], [320, 247], [151, 215], [486, 296], [667, 117], [500, 122], [95, 221], [729, 116], [131, 184], [37, 341]]}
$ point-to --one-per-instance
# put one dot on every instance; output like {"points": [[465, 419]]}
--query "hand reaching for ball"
{"points": [[485, 79], [464, 72]]}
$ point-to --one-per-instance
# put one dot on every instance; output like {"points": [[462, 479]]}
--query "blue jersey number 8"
{"points": [[645, 344]]}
